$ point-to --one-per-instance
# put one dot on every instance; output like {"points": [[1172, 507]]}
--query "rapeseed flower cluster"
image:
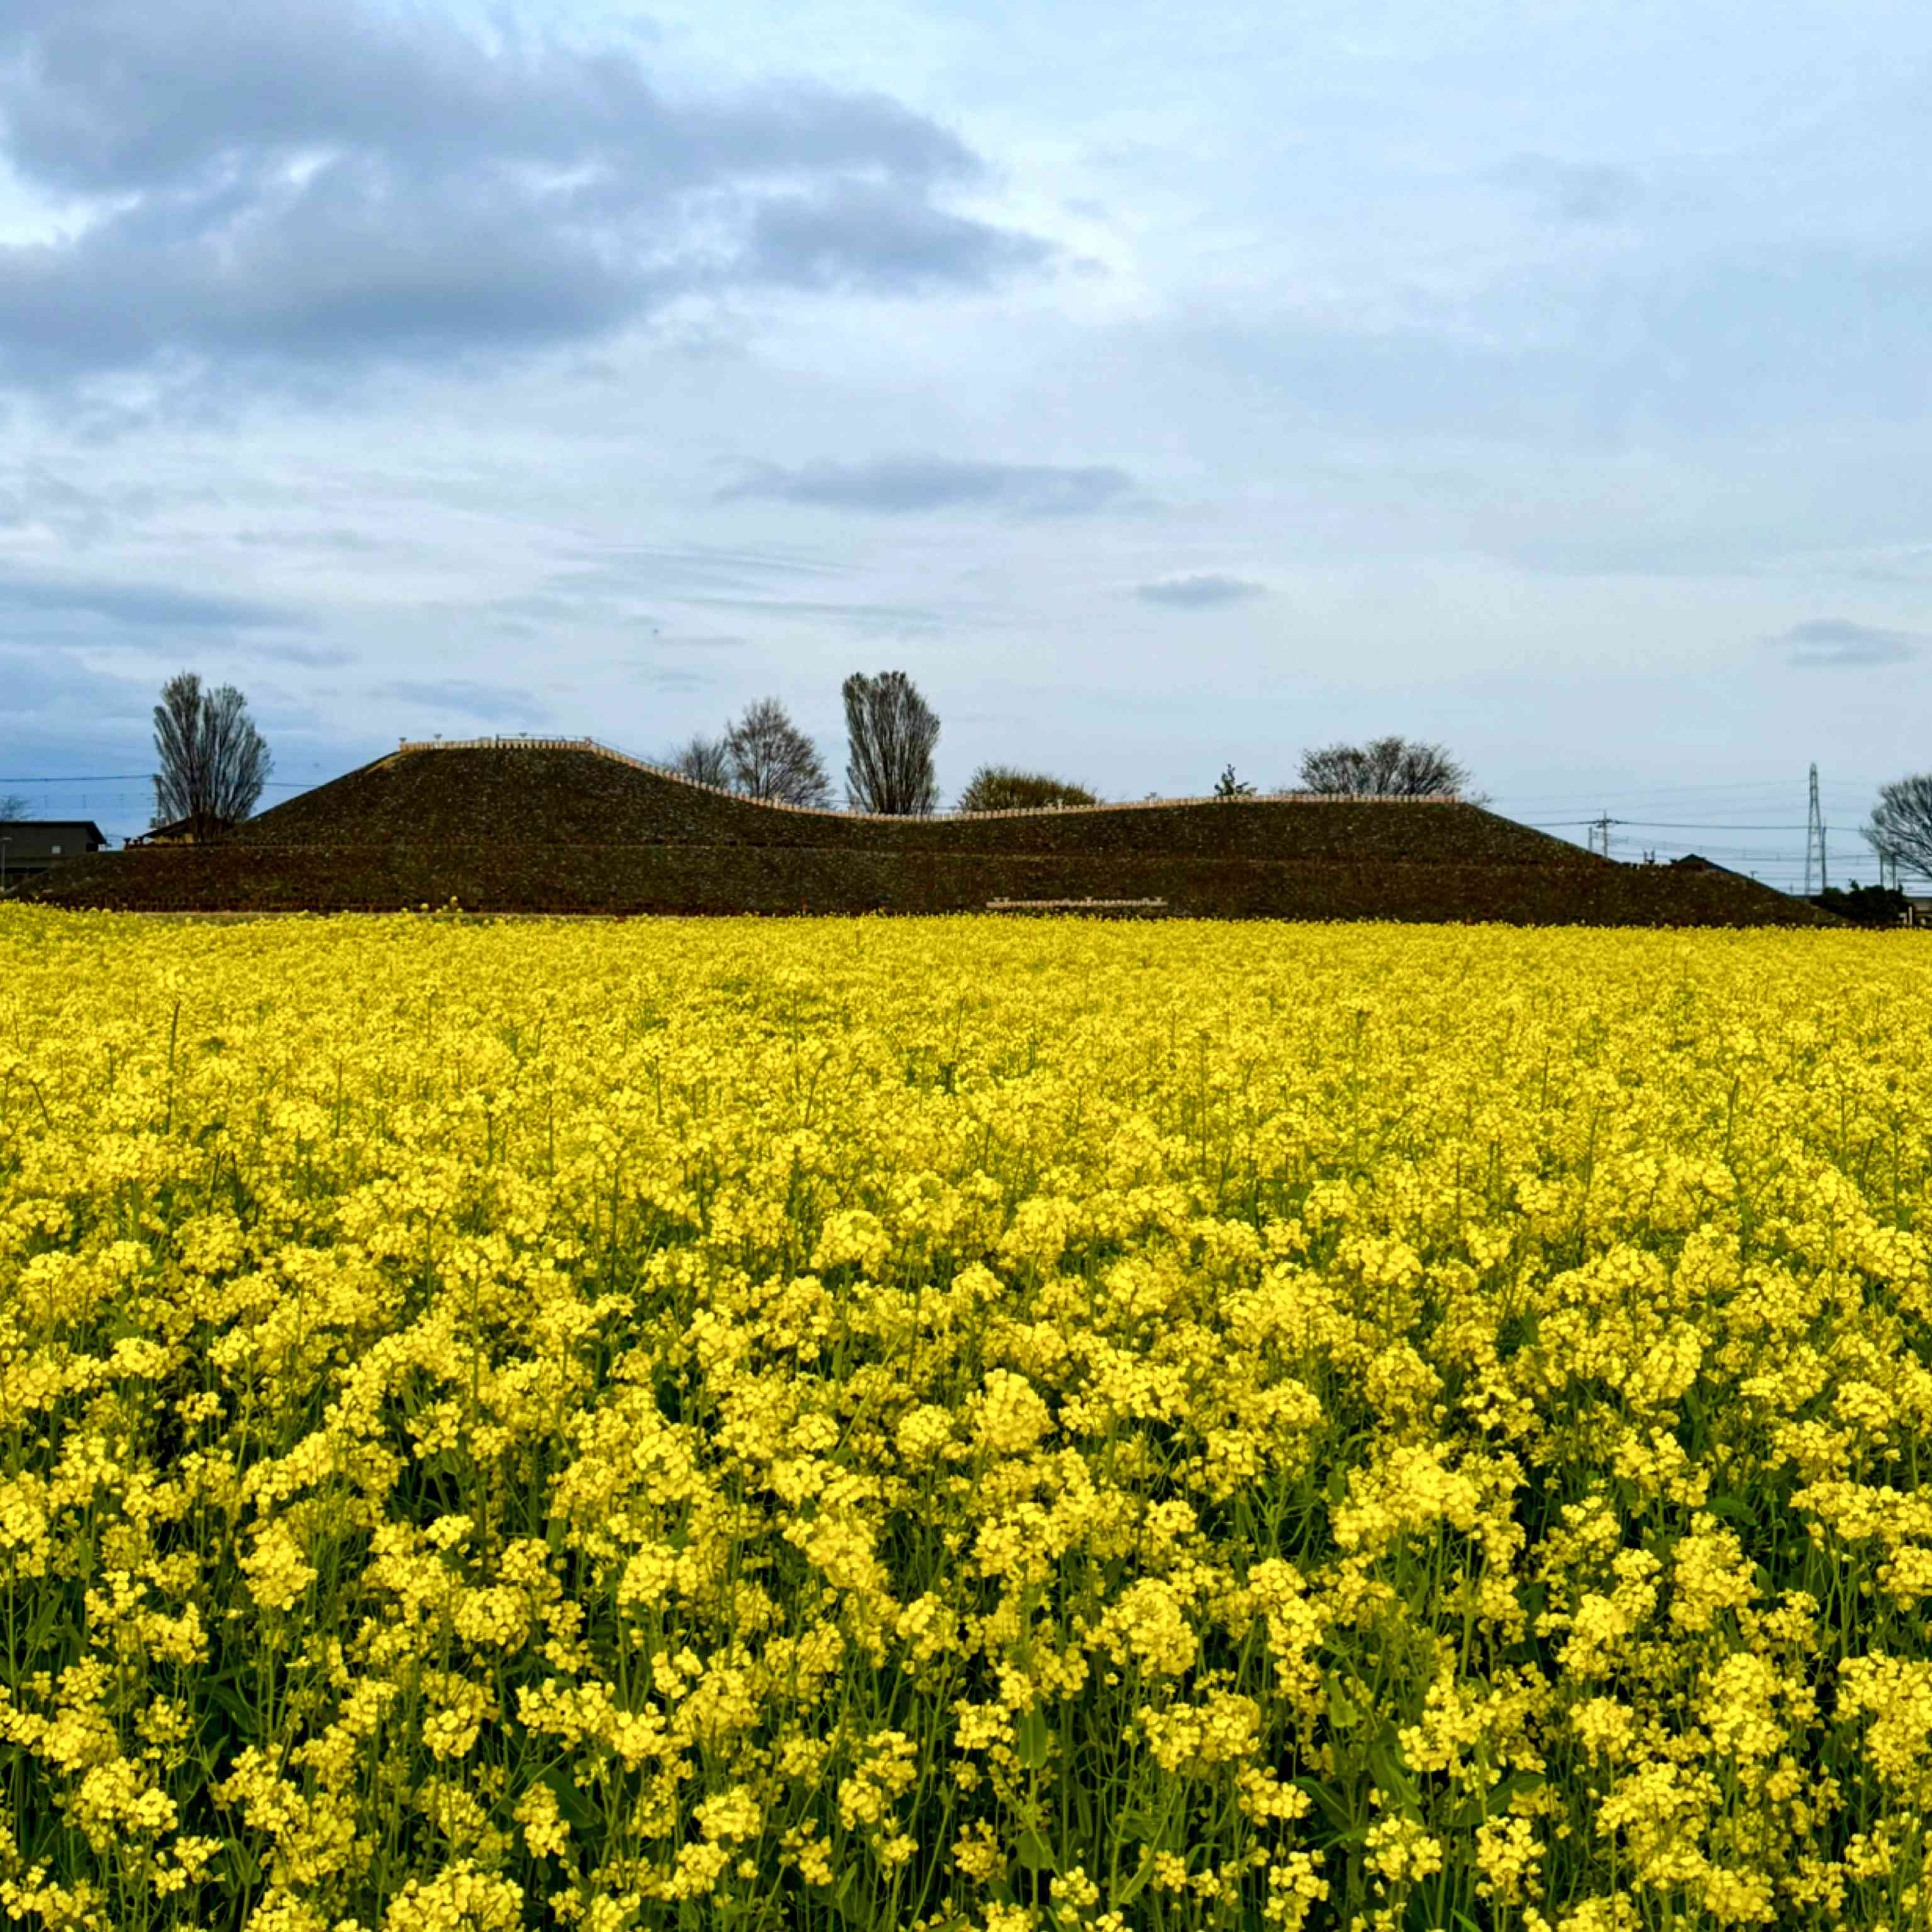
{"points": [[941, 1424]]}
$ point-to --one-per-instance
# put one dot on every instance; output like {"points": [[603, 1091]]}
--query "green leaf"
{"points": [[1341, 1819], [1035, 1737], [224, 1694], [1131, 1887], [1494, 1802], [1342, 1712], [1392, 1780], [1034, 1854], [571, 1800]]}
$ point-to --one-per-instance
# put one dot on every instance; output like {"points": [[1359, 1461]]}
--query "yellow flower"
{"points": [[848, 1396], [545, 1833]]}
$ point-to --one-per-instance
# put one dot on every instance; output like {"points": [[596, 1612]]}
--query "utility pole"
{"points": [[1814, 842], [1600, 828]]}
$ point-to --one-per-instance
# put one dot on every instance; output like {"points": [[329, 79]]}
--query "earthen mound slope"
{"points": [[514, 826]]}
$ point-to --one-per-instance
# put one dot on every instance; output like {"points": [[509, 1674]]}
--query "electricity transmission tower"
{"points": [[1814, 842]]}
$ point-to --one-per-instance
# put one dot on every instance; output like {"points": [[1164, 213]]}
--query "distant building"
{"points": [[29, 847], [178, 832]]}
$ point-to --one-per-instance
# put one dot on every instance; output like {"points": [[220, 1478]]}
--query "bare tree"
{"points": [[1383, 768], [706, 761], [890, 731], [1901, 831], [12, 807], [1002, 788], [213, 761], [773, 760]]}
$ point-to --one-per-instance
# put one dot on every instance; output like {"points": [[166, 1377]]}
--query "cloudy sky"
{"points": [[1160, 386]]}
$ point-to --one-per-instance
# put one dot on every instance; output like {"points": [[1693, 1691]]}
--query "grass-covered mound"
{"points": [[637, 879], [562, 829], [571, 795]]}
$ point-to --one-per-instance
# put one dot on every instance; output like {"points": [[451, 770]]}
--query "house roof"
{"points": [[38, 832], [175, 828]]}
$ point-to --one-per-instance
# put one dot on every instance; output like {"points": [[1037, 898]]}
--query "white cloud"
{"points": [[1202, 591], [1836, 644], [904, 485], [364, 347], [317, 183]]}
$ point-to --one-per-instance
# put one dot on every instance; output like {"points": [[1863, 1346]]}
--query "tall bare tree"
{"points": [[890, 731], [704, 760], [1383, 768], [213, 762], [1900, 830], [772, 760]]}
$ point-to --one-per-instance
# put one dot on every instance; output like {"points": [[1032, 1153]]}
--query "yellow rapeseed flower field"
{"points": [[950, 1424]]}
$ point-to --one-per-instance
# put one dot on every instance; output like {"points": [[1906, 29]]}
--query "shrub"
{"points": [[1002, 788], [1865, 905]]}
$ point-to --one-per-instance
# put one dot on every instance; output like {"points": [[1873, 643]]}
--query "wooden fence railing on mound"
{"points": [[1088, 904], [597, 748]]}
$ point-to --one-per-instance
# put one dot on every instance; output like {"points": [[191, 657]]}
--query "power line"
{"points": [[1674, 790], [143, 778], [1715, 825], [1778, 867], [1661, 824]]}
